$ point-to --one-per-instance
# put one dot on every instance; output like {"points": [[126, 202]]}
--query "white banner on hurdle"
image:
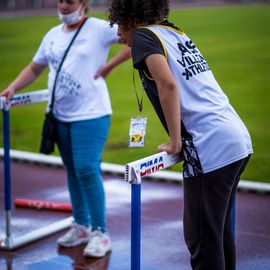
{"points": [[25, 99], [145, 166]]}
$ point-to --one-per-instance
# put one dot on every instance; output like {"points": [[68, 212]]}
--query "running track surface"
{"points": [[162, 227]]}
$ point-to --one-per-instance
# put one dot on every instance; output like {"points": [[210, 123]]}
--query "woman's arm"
{"points": [[169, 99], [122, 56], [26, 77]]}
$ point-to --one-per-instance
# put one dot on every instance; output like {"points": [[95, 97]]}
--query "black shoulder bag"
{"points": [[49, 134]]}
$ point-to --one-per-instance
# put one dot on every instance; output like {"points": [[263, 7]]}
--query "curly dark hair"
{"points": [[131, 13]]}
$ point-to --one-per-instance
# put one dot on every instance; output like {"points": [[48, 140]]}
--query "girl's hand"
{"points": [[169, 148], [103, 72], [8, 93]]}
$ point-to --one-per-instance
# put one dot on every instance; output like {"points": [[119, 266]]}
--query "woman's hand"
{"points": [[119, 58], [8, 93], [103, 72]]}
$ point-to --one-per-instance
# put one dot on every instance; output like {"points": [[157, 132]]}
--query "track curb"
{"points": [[110, 168]]}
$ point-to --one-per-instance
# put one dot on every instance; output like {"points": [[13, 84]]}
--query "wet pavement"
{"points": [[162, 228]]}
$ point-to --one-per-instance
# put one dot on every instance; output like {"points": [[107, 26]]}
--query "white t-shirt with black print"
{"points": [[78, 96]]}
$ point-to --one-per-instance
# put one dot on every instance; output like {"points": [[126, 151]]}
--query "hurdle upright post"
{"points": [[7, 174], [135, 226]]}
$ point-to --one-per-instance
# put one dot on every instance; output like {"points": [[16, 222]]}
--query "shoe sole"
{"points": [[73, 244], [96, 255]]}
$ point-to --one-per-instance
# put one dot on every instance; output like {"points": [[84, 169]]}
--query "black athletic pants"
{"points": [[208, 202]]}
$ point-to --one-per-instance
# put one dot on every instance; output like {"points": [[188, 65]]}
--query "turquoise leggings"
{"points": [[81, 144]]}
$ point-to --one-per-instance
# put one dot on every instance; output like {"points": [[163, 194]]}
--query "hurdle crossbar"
{"points": [[134, 171], [9, 242], [25, 99]]}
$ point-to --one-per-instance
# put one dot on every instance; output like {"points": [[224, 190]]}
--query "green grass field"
{"points": [[235, 40]]}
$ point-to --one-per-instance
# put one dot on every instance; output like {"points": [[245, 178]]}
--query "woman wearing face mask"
{"points": [[82, 109]]}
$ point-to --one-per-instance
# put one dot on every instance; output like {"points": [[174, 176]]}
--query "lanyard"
{"points": [[137, 124], [139, 101]]}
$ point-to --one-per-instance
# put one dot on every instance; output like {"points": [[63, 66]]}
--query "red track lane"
{"points": [[162, 233]]}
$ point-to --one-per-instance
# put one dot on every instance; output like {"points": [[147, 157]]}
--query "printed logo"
{"points": [[151, 166], [192, 60], [20, 101]]}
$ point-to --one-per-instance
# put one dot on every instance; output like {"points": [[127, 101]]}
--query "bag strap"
{"points": [[61, 64]]}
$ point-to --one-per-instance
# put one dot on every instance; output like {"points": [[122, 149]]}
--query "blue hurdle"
{"points": [[134, 171], [10, 242]]}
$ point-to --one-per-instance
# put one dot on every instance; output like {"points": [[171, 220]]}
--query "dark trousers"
{"points": [[208, 202]]}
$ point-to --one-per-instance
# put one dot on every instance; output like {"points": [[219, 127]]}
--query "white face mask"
{"points": [[71, 18]]}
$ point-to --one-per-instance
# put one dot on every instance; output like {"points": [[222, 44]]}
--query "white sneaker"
{"points": [[99, 244], [78, 234]]}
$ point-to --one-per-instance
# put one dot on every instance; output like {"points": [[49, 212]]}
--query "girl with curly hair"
{"points": [[200, 121]]}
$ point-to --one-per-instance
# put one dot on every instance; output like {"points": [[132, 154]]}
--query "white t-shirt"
{"points": [[78, 96], [213, 134]]}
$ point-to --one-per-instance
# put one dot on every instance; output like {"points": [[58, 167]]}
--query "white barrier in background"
{"points": [[170, 176]]}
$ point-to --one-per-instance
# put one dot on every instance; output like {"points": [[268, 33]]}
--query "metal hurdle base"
{"points": [[11, 243]]}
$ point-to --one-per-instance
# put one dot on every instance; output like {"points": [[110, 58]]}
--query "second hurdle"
{"points": [[10, 242], [134, 171]]}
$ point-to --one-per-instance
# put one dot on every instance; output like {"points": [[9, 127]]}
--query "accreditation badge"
{"points": [[137, 131]]}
